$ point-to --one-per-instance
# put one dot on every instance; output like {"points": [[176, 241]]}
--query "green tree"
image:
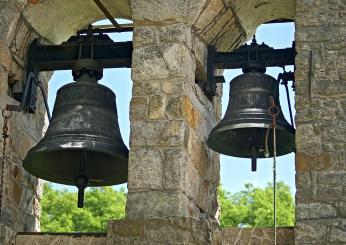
{"points": [[61, 214], [254, 207], [250, 207]]}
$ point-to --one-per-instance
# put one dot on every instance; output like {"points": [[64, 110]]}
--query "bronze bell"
{"points": [[83, 144], [242, 131]]}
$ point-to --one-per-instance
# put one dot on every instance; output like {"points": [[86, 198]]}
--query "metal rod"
{"points": [[107, 14], [43, 92], [289, 102], [81, 183], [101, 30]]}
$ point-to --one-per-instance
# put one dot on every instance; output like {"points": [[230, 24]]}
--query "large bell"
{"points": [[82, 145], [242, 131]]}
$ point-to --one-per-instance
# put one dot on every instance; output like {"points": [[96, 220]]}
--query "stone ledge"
{"points": [[163, 231], [262, 236], [42, 238]]}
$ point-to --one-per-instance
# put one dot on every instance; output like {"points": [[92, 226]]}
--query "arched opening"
{"points": [[246, 187], [59, 202]]}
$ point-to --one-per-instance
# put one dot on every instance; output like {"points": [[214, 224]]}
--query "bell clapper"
{"points": [[81, 183], [253, 151], [253, 158]]}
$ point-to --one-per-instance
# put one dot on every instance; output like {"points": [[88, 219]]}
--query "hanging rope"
{"points": [[273, 111], [6, 114]]}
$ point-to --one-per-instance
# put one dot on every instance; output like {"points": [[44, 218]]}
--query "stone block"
{"points": [[167, 11], [264, 236], [5, 56], [337, 235], [138, 108], [320, 35], [176, 33], [315, 211], [145, 169], [308, 139], [7, 235], [144, 35], [126, 228], [141, 88], [8, 18], [3, 81], [157, 204], [310, 232], [174, 86], [148, 64], [305, 162], [181, 107], [331, 178], [175, 168], [157, 107], [159, 133], [161, 62]]}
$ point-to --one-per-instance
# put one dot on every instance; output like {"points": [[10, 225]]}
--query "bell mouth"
{"points": [[63, 165], [237, 142]]}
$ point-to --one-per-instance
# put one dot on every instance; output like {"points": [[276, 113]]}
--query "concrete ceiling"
{"points": [[57, 20]]}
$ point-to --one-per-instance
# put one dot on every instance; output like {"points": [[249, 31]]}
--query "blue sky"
{"points": [[235, 172]]}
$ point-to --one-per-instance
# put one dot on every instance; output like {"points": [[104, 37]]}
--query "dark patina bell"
{"points": [[242, 131], [82, 145]]}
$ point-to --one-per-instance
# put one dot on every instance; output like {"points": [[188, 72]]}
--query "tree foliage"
{"points": [[250, 207], [254, 206], [61, 214]]}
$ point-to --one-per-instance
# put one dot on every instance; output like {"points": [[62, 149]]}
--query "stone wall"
{"points": [[321, 122], [150, 231], [21, 191]]}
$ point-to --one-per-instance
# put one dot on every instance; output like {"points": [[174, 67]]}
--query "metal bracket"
{"points": [[29, 96], [240, 58], [94, 44]]}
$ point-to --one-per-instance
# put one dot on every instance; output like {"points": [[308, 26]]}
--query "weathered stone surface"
{"points": [[157, 107], [138, 108], [263, 236], [175, 167], [161, 61], [146, 169], [159, 133], [305, 162], [337, 235], [320, 136], [315, 210], [5, 56], [159, 204], [166, 11], [164, 231], [308, 139], [50, 239], [181, 107]]}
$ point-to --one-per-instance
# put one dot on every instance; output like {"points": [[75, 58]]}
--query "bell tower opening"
{"points": [[100, 204], [241, 187]]}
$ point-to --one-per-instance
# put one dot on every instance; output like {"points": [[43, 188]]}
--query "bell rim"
{"points": [[29, 167], [236, 125], [214, 143]]}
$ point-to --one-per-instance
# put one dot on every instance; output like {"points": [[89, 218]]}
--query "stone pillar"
{"points": [[321, 122], [21, 192], [173, 175]]}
